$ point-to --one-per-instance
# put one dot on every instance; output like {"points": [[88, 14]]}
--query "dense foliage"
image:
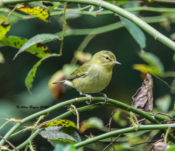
{"points": [[45, 41]]}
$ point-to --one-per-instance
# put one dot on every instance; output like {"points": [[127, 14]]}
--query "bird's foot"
{"points": [[105, 97], [90, 98]]}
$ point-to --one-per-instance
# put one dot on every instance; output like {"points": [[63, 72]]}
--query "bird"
{"points": [[94, 75]]}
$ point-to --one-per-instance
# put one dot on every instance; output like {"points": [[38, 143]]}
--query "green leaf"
{"points": [[163, 103], [54, 133], [62, 122], [30, 77], [57, 134], [39, 49], [155, 66], [172, 148], [174, 57], [41, 38], [135, 32], [66, 147], [95, 122], [121, 2], [152, 60], [92, 122], [59, 131]]}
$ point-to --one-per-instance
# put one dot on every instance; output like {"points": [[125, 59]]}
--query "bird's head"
{"points": [[105, 58]]}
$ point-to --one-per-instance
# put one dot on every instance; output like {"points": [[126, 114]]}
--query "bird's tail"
{"points": [[58, 82], [66, 82]]}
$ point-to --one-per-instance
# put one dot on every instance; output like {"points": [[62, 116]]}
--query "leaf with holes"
{"points": [[135, 32], [30, 77], [41, 38], [4, 26], [38, 12], [62, 122], [38, 50]]}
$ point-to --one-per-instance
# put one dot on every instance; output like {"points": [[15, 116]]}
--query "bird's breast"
{"points": [[95, 81]]}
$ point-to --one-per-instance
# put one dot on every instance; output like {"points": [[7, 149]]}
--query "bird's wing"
{"points": [[80, 72]]}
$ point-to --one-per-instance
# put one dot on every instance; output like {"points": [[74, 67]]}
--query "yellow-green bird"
{"points": [[94, 75]]}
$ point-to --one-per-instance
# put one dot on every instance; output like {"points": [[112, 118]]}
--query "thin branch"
{"points": [[166, 135], [78, 116], [116, 103], [78, 100], [9, 143], [29, 139], [63, 29], [124, 131]]}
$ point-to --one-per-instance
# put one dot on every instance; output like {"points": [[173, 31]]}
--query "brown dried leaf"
{"points": [[143, 98]]}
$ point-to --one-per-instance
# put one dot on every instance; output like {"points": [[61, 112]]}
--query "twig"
{"points": [[124, 131], [82, 46], [154, 115], [146, 27], [166, 135], [9, 143], [119, 104], [112, 141], [29, 139], [143, 143], [77, 114], [63, 30]]}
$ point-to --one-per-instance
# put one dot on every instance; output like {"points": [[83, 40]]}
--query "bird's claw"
{"points": [[105, 97], [90, 98]]}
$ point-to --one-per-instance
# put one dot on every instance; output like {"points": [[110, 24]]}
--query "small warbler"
{"points": [[94, 75]]}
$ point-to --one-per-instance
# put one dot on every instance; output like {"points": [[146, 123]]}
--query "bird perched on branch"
{"points": [[94, 75]]}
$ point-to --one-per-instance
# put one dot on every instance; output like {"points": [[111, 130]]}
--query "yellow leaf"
{"points": [[4, 26], [39, 12], [146, 68]]}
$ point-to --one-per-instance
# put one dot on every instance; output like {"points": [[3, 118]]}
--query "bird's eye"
{"points": [[107, 58]]}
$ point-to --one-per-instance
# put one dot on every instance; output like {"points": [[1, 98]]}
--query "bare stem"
{"points": [[124, 131]]}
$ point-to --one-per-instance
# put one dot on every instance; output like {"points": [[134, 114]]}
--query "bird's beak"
{"points": [[116, 62]]}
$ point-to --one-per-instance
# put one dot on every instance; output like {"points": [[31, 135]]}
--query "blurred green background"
{"points": [[125, 80]]}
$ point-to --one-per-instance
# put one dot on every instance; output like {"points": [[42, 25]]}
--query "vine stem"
{"points": [[107, 135], [146, 27], [78, 100], [124, 131]]}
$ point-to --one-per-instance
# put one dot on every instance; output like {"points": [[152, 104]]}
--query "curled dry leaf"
{"points": [[143, 98]]}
